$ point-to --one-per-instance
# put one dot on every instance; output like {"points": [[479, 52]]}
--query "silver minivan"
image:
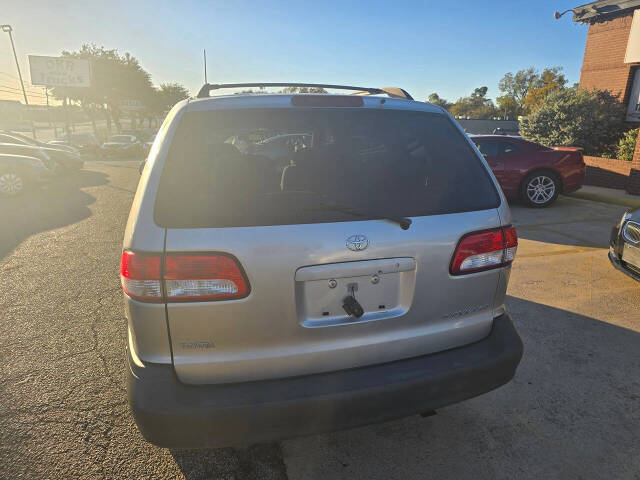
{"points": [[357, 276]]}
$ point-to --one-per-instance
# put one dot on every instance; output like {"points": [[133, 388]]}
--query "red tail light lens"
{"points": [[187, 278], [140, 276], [510, 245], [190, 278], [481, 251]]}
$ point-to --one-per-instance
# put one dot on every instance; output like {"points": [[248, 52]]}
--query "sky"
{"points": [[431, 46]]}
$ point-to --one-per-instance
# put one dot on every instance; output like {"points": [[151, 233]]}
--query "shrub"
{"points": [[575, 117], [627, 145]]}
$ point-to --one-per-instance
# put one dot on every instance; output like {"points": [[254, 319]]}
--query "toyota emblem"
{"points": [[357, 242]]}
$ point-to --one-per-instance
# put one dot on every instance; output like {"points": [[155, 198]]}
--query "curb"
{"points": [[596, 197]]}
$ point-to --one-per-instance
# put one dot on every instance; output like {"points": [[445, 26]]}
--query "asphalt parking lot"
{"points": [[572, 411]]}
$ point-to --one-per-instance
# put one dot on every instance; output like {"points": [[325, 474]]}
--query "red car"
{"points": [[535, 173]]}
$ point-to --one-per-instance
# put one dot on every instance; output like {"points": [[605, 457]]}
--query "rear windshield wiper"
{"points": [[404, 222]]}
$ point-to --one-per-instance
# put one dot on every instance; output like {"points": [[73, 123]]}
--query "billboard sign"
{"points": [[59, 71]]}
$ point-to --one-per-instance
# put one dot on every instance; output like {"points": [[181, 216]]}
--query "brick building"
{"points": [[612, 62]]}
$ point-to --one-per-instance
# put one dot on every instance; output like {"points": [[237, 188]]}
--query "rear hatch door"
{"points": [[311, 229]]}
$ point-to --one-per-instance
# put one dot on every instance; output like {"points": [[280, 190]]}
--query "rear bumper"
{"points": [[172, 414], [574, 181]]}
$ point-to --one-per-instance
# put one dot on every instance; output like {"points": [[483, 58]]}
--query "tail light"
{"points": [[481, 251], [190, 278], [183, 278], [140, 276]]}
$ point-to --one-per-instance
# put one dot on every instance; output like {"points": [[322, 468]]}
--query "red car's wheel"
{"points": [[540, 189]]}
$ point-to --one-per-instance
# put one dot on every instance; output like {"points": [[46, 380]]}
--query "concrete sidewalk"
{"points": [[607, 195]]}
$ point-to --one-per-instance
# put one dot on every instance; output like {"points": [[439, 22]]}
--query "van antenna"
{"points": [[205, 66]]}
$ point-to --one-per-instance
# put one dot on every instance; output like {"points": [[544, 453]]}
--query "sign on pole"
{"points": [[59, 71], [130, 105]]}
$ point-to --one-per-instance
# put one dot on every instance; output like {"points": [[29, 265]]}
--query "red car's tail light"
{"points": [[190, 278], [186, 278], [140, 276], [481, 251]]}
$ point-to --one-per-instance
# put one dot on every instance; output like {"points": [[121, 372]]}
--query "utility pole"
{"points": [[46, 93], [8, 29]]}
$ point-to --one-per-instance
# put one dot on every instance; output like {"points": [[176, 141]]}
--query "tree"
{"points": [[436, 99], [508, 107], [549, 81], [515, 88], [524, 91], [474, 106], [303, 90], [591, 119], [169, 94], [115, 78]]}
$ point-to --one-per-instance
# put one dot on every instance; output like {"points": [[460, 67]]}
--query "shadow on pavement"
{"points": [[58, 204], [260, 461], [570, 412]]}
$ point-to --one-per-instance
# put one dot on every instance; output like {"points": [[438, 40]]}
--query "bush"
{"points": [[575, 117], [627, 145]]}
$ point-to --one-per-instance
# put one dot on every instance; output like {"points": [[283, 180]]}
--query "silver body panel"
{"points": [[281, 329]]}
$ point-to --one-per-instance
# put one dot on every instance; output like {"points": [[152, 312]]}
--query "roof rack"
{"points": [[391, 91]]}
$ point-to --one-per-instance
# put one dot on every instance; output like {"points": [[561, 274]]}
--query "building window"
{"points": [[633, 110]]}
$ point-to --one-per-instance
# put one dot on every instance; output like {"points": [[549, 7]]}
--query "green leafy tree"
{"points": [[168, 94], [514, 88], [477, 105], [627, 145], [591, 119], [508, 107], [436, 99]]}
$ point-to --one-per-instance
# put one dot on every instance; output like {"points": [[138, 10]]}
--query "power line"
{"points": [[20, 90], [31, 95], [32, 87], [15, 88]]}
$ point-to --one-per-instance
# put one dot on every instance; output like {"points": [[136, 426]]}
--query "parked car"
{"points": [[18, 173], [54, 158], [14, 137], [63, 145], [364, 282], [624, 248], [123, 146], [533, 172], [86, 143]]}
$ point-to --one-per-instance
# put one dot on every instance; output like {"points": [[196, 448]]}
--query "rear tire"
{"points": [[12, 183], [540, 189]]}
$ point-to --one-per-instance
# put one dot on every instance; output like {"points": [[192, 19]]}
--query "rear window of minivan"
{"points": [[258, 167]]}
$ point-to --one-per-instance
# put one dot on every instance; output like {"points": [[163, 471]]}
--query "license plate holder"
{"points": [[384, 288]]}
